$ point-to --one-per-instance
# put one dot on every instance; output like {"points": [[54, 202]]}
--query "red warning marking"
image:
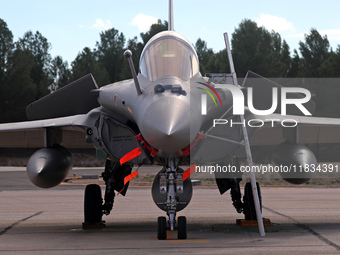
{"points": [[130, 155], [189, 172], [128, 178], [152, 151]]}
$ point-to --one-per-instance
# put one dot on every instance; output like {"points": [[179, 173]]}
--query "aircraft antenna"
{"points": [[128, 55], [171, 17]]}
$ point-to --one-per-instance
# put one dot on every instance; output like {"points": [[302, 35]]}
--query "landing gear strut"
{"points": [[171, 194], [114, 180], [231, 181]]}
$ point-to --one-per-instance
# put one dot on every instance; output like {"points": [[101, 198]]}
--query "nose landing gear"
{"points": [[171, 194]]}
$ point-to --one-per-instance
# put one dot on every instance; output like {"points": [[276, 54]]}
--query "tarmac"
{"points": [[36, 221]]}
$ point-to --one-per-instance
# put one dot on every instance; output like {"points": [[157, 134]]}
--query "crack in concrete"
{"points": [[305, 227], [18, 222]]}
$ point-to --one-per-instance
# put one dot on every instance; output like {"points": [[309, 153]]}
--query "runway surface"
{"points": [[36, 221]]}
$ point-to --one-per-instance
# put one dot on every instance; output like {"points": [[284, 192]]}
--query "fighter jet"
{"points": [[170, 115]]}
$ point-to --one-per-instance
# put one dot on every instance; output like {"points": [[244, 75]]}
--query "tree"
{"points": [[278, 60], [219, 62], [39, 47], [331, 67], [154, 29], [110, 51], [285, 59], [60, 73], [18, 88], [244, 46], [255, 48], [204, 55], [86, 63], [294, 70], [136, 49], [314, 52], [6, 47]]}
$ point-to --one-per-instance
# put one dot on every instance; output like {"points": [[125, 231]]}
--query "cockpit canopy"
{"points": [[169, 54]]}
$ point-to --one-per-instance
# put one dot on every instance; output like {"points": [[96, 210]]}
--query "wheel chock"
{"points": [[252, 223], [96, 225]]}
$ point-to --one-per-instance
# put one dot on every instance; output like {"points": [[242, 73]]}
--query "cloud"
{"points": [[102, 25], [278, 24], [332, 34], [143, 22], [299, 35]]}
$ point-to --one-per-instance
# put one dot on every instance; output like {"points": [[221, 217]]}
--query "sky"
{"points": [[71, 25]]}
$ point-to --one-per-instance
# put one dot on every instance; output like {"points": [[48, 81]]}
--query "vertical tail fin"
{"points": [[171, 17]]}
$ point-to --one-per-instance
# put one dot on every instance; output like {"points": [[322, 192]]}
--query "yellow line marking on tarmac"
{"points": [[297, 187], [169, 235], [79, 184], [190, 241], [172, 239]]}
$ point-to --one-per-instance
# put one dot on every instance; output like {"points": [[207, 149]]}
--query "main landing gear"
{"points": [[94, 208], [171, 194], [225, 182], [248, 205]]}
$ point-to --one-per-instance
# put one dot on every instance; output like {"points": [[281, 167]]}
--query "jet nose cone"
{"points": [[166, 125]]}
